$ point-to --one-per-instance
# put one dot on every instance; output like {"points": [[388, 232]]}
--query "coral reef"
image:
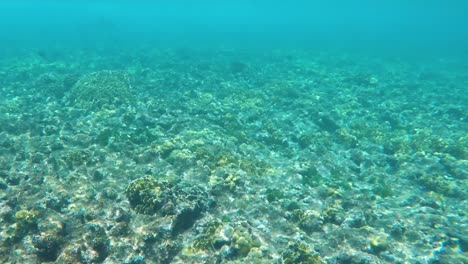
{"points": [[299, 252], [223, 156], [186, 203], [97, 89]]}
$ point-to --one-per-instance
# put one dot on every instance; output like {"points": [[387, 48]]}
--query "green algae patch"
{"points": [[25, 222], [98, 89]]}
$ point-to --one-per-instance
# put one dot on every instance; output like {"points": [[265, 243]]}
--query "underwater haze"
{"points": [[234, 132], [434, 25]]}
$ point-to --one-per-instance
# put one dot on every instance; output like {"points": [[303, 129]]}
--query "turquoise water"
{"points": [[266, 132]]}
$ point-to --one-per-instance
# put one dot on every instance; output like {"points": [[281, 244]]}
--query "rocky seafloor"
{"points": [[225, 156]]}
